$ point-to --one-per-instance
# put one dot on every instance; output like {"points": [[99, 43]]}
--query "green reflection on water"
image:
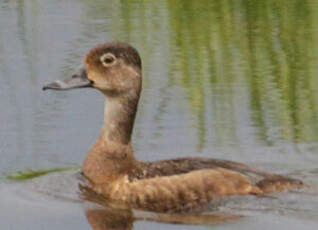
{"points": [[282, 73], [267, 49], [272, 43]]}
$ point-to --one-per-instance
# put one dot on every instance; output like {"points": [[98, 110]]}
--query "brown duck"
{"points": [[174, 185]]}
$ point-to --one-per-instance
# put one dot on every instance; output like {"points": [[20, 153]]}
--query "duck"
{"points": [[173, 185]]}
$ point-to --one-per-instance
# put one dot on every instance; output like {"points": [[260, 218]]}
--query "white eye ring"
{"points": [[107, 59]]}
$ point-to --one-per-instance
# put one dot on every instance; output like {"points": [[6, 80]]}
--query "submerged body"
{"points": [[170, 185]]}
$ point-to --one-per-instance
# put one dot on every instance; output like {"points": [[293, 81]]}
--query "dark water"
{"points": [[228, 79]]}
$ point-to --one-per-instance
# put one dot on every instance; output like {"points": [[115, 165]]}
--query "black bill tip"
{"points": [[53, 85]]}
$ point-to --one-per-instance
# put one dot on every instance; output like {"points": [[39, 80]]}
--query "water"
{"points": [[228, 79]]}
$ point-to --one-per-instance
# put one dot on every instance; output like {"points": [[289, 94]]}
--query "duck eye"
{"points": [[107, 59]]}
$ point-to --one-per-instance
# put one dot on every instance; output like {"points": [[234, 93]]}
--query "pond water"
{"points": [[235, 79]]}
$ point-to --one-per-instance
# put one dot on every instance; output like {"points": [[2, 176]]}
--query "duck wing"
{"points": [[186, 191], [186, 165], [267, 182]]}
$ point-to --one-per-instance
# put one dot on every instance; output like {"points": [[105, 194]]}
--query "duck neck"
{"points": [[112, 154], [119, 118]]}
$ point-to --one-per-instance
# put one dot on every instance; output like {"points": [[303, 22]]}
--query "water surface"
{"points": [[228, 79]]}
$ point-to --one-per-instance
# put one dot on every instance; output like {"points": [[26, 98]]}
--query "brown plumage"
{"points": [[171, 185]]}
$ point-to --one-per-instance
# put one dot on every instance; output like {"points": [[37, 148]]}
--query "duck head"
{"points": [[114, 68]]}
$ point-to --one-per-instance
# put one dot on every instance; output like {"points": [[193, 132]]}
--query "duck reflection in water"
{"points": [[106, 219]]}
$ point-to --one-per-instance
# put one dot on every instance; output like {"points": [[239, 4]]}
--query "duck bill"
{"points": [[78, 80]]}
